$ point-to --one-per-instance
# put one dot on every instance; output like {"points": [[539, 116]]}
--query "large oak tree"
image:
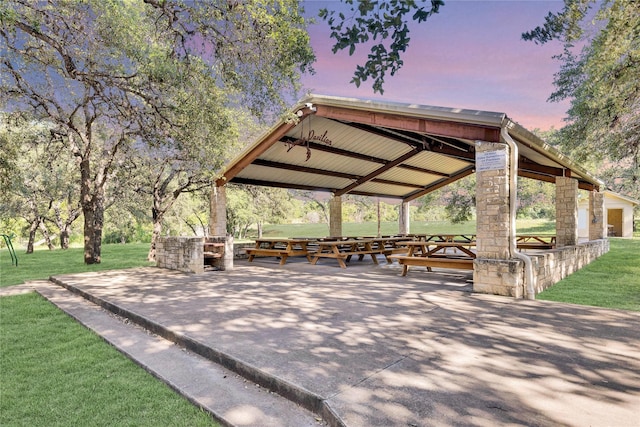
{"points": [[600, 69], [109, 75]]}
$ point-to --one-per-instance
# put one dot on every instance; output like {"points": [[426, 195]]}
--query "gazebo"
{"points": [[404, 151]]}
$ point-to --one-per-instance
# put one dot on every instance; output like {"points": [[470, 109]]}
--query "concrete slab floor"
{"points": [[383, 350]]}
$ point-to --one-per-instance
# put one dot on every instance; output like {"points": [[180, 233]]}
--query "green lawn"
{"points": [[54, 372], [611, 281], [43, 263]]}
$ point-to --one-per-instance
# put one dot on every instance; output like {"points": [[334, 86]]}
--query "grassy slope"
{"points": [[611, 281], [57, 373]]}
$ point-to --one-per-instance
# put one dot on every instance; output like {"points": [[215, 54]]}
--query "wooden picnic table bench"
{"points": [[282, 248], [535, 241], [390, 245], [434, 254], [344, 250], [462, 238]]}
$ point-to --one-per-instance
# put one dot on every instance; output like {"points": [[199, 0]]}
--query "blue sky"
{"points": [[470, 55]]}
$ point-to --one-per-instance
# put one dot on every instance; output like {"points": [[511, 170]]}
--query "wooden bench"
{"points": [[458, 263], [532, 241], [212, 251], [283, 254]]}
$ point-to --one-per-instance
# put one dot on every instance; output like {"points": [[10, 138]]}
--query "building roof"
{"points": [[375, 148], [622, 197]]}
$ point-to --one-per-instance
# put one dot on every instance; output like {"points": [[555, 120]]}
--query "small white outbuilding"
{"points": [[618, 211]]}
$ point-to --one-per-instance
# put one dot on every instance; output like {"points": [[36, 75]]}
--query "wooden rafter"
{"points": [[439, 184], [378, 172]]}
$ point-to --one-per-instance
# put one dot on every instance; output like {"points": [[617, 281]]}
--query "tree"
{"points": [[373, 20], [601, 80], [460, 199], [250, 204], [39, 186], [108, 74]]}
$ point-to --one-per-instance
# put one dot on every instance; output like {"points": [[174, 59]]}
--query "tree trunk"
{"points": [[93, 222], [33, 227], [157, 229], [64, 226], [93, 210], [64, 238], [45, 233], [259, 229]]}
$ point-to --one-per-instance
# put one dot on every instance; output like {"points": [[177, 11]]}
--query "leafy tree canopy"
{"points": [[110, 74], [385, 24], [599, 74]]}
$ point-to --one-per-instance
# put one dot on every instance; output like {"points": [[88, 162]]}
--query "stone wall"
{"points": [[498, 277], [507, 277], [554, 265], [180, 253], [187, 253]]}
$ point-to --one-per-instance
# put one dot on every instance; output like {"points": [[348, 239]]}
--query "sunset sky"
{"points": [[470, 55]]}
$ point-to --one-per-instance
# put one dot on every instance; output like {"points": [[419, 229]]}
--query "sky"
{"points": [[470, 55]]}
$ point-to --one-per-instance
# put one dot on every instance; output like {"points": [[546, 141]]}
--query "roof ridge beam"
{"points": [[423, 125]]}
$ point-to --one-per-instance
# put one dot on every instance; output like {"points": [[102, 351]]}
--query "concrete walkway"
{"points": [[366, 347]]}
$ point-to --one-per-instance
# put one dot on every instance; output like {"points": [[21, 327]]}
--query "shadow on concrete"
{"points": [[364, 346]]}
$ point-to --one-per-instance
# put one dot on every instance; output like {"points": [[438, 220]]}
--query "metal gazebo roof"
{"points": [[374, 148]]}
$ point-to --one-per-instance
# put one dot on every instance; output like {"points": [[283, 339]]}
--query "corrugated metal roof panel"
{"points": [[438, 162], [344, 137], [381, 188], [409, 176], [297, 155], [262, 173]]}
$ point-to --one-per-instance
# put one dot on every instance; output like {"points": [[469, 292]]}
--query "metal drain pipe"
{"points": [[530, 292]]}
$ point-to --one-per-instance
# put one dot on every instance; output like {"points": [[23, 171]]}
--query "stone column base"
{"points": [[499, 277]]}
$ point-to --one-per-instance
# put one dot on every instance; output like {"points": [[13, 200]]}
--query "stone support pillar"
{"points": [[494, 271], [218, 211], [566, 211], [218, 225], [404, 218], [597, 226], [335, 216], [492, 201]]}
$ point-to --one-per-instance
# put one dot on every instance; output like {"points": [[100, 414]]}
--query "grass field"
{"points": [[43, 263], [611, 281], [57, 373]]}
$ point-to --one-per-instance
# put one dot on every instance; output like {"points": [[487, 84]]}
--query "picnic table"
{"points": [[465, 238], [282, 248], [437, 254], [343, 250], [389, 245], [535, 241]]}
